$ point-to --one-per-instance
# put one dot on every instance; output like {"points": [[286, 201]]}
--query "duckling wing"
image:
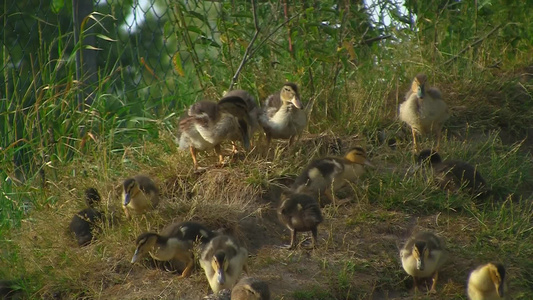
{"points": [[319, 173], [455, 174], [272, 104]]}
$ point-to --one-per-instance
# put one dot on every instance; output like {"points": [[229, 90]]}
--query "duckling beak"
{"points": [[135, 257], [220, 276], [421, 93], [420, 265], [369, 163], [127, 199], [500, 290], [296, 102]]}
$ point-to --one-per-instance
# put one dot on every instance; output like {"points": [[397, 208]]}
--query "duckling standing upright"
{"points": [[300, 213], [422, 256], [424, 110], [283, 116], [174, 244], [223, 261], [249, 288], [452, 175], [139, 195], [208, 124], [487, 282], [323, 175], [85, 222], [252, 108]]}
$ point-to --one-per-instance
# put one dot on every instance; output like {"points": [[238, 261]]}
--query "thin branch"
{"points": [[247, 54], [472, 45], [272, 33]]}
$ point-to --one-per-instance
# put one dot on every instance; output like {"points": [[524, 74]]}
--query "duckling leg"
{"points": [[415, 283], [188, 268], [126, 212], [314, 231], [414, 139], [435, 277], [293, 239], [193, 154], [438, 140], [218, 150]]}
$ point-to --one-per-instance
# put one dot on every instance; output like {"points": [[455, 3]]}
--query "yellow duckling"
{"points": [[422, 256], [174, 244], [249, 288], [424, 110], [282, 116], [85, 222], [208, 124], [300, 213], [487, 282], [453, 175], [223, 260], [139, 195], [323, 175]]}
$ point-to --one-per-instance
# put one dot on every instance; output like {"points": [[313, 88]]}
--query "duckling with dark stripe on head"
{"points": [[329, 174], [223, 261], [283, 116], [423, 256], [140, 194], [174, 243], [207, 124]]}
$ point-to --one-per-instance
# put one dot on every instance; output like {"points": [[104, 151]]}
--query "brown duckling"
{"points": [[300, 213], [174, 244], [283, 116], [223, 261], [140, 194], [208, 124], [422, 256], [487, 282], [323, 175], [253, 108], [424, 110], [453, 175], [249, 288], [86, 221]]}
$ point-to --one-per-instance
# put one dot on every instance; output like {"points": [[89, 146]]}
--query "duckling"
{"points": [[332, 172], [86, 221], [253, 109], [282, 116], [223, 260], [139, 195], [424, 110], [249, 288], [453, 175], [175, 244], [487, 282], [208, 124], [299, 213], [422, 256]]}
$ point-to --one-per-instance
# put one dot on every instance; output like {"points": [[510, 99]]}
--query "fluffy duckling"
{"points": [[453, 175], [323, 175], [283, 116], [253, 109], [223, 260], [249, 288], [424, 110], [208, 124], [139, 195], [174, 243], [300, 213], [86, 221], [422, 256], [487, 282]]}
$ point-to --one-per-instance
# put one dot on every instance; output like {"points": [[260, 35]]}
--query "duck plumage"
{"points": [[86, 221], [249, 288], [223, 261], [487, 282], [139, 195], [423, 109], [422, 256], [300, 213]]}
